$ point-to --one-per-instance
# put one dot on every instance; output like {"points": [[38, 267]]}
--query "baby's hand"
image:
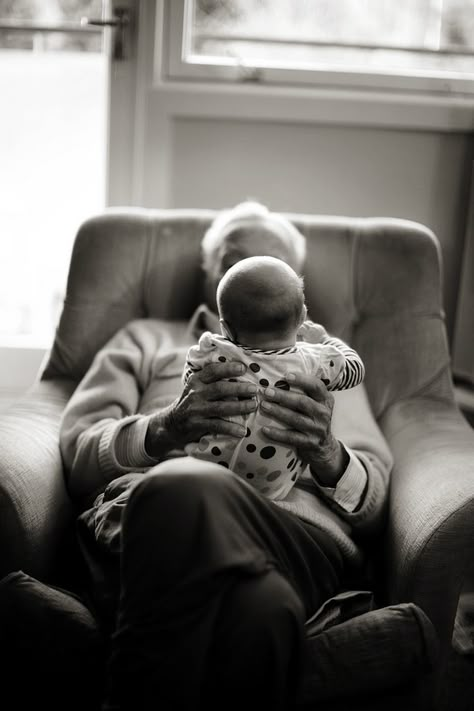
{"points": [[311, 332]]}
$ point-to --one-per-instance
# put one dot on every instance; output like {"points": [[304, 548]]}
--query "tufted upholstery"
{"points": [[375, 282]]}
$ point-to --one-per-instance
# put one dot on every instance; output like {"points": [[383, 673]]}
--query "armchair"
{"points": [[374, 282]]}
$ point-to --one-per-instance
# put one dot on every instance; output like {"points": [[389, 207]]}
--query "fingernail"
{"points": [[251, 389], [290, 377], [266, 405], [270, 392]]}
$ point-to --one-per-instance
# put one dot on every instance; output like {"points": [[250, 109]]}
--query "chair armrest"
{"points": [[431, 516], [34, 505]]}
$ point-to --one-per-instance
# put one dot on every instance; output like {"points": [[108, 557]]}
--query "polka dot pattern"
{"points": [[267, 452], [273, 475], [270, 468]]}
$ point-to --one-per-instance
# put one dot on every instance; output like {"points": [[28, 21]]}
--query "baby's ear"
{"points": [[303, 315], [226, 329]]}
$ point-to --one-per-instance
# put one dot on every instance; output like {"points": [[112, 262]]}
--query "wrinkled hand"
{"points": [[307, 417], [204, 406]]}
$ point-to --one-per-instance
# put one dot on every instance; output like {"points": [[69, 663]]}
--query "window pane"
{"points": [[53, 148], [434, 35]]}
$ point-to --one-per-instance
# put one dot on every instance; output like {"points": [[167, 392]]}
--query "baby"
{"points": [[263, 321]]}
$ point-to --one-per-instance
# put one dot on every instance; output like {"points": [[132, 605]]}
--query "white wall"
{"points": [[328, 169]]}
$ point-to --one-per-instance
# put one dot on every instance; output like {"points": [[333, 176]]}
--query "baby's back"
{"points": [[272, 468]]}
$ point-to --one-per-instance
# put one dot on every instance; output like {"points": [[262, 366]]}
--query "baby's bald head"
{"points": [[261, 298]]}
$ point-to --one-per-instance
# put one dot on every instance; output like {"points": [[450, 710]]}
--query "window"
{"points": [[53, 83], [410, 45]]}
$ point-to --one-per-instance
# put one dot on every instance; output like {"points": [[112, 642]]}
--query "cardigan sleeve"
{"points": [[106, 402], [354, 424]]}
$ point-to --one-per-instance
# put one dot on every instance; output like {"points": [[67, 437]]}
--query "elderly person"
{"points": [[206, 584]]}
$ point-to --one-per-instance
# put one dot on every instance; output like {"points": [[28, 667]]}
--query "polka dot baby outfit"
{"points": [[271, 467]]}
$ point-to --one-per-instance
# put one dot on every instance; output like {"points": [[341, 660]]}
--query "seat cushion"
{"points": [[56, 644], [53, 651], [376, 651]]}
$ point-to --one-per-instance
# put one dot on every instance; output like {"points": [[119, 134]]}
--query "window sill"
{"points": [[21, 359], [255, 101]]}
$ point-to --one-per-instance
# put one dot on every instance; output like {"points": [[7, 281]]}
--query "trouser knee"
{"points": [[266, 604], [259, 644], [177, 488]]}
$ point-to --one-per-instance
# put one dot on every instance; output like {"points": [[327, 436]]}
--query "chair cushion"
{"points": [[52, 648], [56, 644], [375, 282], [376, 651]]}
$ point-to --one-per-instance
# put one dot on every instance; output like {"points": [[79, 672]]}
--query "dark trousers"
{"points": [[215, 585]]}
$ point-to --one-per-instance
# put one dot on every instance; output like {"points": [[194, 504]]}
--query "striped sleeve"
{"points": [[353, 372]]}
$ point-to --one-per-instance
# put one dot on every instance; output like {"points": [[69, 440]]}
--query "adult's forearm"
{"points": [[330, 462], [160, 438], [107, 450]]}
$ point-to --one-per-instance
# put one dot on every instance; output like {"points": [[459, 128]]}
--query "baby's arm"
{"points": [[352, 372], [198, 356]]}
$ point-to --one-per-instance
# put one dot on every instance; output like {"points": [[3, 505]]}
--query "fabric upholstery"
{"points": [[151, 261], [430, 524], [382, 649], [389, 646], [34, 507], [56, 651]]}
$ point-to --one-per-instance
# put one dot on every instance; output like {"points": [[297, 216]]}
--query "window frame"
{"points": [[420, 83]]}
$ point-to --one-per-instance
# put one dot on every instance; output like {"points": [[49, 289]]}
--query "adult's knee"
{"points": [[267, 605], [259, 643], [175, 491]]}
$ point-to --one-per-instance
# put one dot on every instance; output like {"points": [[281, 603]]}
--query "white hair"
{"points": [[252, 212]]}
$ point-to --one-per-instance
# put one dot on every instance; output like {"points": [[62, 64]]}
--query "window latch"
{"points": [[121, 26]]}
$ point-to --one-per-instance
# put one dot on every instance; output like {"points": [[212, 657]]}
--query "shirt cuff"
{"points": [[129, 445], [351, 486]]}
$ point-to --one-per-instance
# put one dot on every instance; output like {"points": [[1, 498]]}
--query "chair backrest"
{"points": [[375, 282]]}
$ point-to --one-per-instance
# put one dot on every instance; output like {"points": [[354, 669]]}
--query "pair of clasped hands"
{"points": [[209, 398]]}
